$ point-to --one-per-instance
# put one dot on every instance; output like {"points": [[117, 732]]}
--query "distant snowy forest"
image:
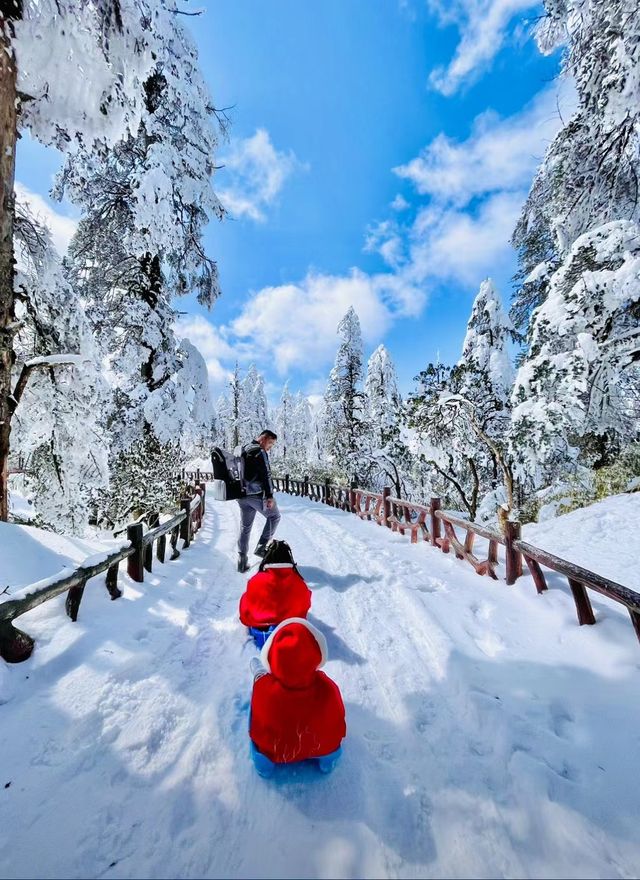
{"points": [[540, 414]]}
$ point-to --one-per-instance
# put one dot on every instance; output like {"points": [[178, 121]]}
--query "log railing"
{"points": [[438, 527], [16, 645]]}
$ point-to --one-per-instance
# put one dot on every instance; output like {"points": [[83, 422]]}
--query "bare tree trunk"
{"points": [[8, 98]]}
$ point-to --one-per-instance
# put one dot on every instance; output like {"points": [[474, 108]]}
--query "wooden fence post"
{"points": [[72, 602], [583, 603], [436, 503], [352, 497], [203, 497], [112, 581], [185, 525], [161, 548], [175, 533], [135, 563], [153, 521], [286, 483], [386, 507], [513, 558], [327, 491], [15, 645], [197, 476], [305, 486]]}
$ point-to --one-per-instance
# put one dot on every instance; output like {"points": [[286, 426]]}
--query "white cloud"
{"points": [[483, 26], [254, 172], [294, 325], [463, 246], [386, 239], [500, 154], [62, 228], [212, 345], [475, 190], [400, 203]]}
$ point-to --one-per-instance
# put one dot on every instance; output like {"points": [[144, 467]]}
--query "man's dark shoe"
{"points": [[243, 562], [260, 550]]}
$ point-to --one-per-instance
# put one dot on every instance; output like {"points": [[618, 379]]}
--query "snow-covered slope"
{"points": [[603, 537], [488, 734]]}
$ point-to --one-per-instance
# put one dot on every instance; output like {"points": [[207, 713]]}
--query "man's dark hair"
{"points": [[269, 435]]}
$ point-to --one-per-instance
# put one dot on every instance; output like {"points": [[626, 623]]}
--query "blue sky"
{"points": [[379, 152]]}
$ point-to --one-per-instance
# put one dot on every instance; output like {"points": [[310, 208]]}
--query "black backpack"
{"points": [[228, 474], [278, 553]]}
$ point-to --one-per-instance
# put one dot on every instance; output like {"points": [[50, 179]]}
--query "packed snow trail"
{"points": [[488, 734]]}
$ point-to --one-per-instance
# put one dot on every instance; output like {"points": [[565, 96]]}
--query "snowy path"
{"points": [[488, 735]]}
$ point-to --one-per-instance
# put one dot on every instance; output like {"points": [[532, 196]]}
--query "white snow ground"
{"points": [[488, 734]]}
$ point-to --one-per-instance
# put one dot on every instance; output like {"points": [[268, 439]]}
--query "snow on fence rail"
{"points": [[16, 645]]}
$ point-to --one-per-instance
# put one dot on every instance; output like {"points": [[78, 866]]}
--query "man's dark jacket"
{"points": [[257, 470]]}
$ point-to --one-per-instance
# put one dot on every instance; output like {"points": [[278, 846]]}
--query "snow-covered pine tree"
{"points": [[254, 416], [459, 416], [224, 422], [389, 456], [317, 458], [345, 414], [47, 87], [589, 175], [445, 446], [194, 396], [577, 239], [574, 392], [236, 408], [284, 425], [485, 384], [300, 434], [55, 427], [146, 201]]}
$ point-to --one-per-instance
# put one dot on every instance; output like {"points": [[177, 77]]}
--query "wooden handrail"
{"points": [[16, 645], [471, 526], [580, 579]]}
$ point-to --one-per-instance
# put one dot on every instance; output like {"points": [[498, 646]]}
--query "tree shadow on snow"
{"points": [[338, 648], [317, 578]]}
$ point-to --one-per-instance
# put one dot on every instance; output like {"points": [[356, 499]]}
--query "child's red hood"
{"points": [[293, 653]]}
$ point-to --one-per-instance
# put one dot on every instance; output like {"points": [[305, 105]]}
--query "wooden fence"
{"points": [[16, 645], [438, 527]]}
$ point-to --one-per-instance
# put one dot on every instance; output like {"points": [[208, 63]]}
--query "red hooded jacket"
{"points": [[273, 595], [296, 711]]}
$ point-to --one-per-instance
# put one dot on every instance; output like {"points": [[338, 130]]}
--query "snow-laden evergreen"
{"points": [[344, 403], [459, 416], [389, 457], [138, 245], [572, 391], [283, 419], [589, 175], [577, 387], [56, 424], [300, 433], [254, 415], [80, 79]]}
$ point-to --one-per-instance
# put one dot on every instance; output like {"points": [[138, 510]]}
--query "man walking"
{"points": [[258, 498]]}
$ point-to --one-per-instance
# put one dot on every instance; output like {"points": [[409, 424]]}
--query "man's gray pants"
{"points": [[249, 506]]}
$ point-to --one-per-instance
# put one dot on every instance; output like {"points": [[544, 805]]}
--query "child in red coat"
{"points": [[296, 711], [276, 592]]}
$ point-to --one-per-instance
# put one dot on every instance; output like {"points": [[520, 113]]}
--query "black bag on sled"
{"points": [[228, 474]]}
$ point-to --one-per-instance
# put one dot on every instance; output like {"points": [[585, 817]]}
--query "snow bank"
{"points": [[30, 555], [603, 537]]}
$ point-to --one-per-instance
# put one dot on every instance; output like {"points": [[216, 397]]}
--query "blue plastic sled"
{"points": [[260, 636], [265, 766]]}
